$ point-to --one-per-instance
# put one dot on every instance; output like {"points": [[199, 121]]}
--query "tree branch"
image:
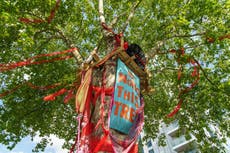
{"points": [[101, 11], [130, 15], [205, 75], [156, 50], [61, 36], [33, 14], [37, 33], [33, 110], [195, 46], [69, 43], [185, 36], [48, 40], [165, 69], [116, 18], [108, 34]]}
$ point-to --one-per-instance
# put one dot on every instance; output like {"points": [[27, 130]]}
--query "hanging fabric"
{"points": [[95, 101]]}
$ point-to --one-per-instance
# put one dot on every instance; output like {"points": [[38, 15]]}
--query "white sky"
{"points": [[26, 146]]}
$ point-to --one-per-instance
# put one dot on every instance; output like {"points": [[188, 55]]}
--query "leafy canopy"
{"points": [[200, 27]]}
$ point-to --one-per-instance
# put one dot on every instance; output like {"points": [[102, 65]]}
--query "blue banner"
{"points": [[126, 99]]}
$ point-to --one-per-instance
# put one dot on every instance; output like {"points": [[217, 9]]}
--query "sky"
{"points": [[26, 146]]}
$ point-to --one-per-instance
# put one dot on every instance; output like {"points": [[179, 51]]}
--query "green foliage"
{"points": [[158, 26]]}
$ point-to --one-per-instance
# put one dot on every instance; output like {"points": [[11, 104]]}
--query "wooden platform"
{"points": [[94, 60], [143, 75]]}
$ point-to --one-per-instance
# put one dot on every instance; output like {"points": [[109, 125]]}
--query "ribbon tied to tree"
{"points": [[181, 59]]}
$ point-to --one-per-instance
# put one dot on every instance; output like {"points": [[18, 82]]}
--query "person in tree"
{"points": [[135, 50]]}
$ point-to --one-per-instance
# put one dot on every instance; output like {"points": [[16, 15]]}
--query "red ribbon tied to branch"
{"points": [[117, 37], [53, 96], [47, 87], [31, 61], [49, 18], [212, 40], [195, 74]]}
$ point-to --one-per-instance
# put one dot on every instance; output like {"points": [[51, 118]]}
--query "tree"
{"points": [[163, 29]]}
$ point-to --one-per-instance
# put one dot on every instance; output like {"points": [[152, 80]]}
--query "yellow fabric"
{"points": [[82, 93]]}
